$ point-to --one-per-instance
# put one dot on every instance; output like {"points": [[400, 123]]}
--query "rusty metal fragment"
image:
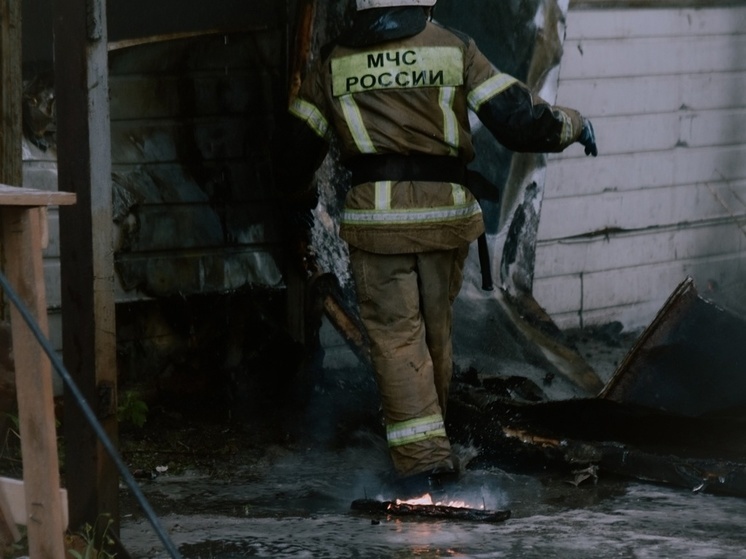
{"points": [[690, 360]]}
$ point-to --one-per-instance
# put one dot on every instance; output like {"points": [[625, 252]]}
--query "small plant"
{"points": [[132, 409], [92, 541]]}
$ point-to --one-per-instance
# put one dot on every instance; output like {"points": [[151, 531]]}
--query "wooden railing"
{"points": [[41, 505]]}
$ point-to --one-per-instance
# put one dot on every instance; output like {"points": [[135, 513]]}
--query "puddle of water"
{"points": [[298, 506]]}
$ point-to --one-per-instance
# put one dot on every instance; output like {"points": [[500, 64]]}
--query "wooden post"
{"points": [[87, 266], [21, 215], [10, 92], [10, 148], [10, 100]]}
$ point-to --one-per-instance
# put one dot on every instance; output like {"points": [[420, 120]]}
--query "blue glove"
{"points": [[588, 138]]}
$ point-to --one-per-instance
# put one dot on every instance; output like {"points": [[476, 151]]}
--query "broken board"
{"points": [[440, 512]]}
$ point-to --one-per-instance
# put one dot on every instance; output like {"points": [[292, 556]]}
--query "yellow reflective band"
{"points": [[493, 86], [311, 115], [450, 122], [459, 194], [567, 131], [397, 69], [410, 217], [383, 195], [415, 430], [356, 125]]}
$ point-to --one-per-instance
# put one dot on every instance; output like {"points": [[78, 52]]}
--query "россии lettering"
{"points": [[397, 69]]}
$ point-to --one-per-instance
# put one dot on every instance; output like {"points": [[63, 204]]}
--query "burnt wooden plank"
{"points": [[89, 329], [441, 512], [604, 438]]}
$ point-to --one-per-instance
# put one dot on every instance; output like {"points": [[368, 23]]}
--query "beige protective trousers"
{"points": [[406, 306]]}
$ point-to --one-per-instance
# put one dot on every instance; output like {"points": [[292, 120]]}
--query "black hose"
{"points": [[90, 416]]}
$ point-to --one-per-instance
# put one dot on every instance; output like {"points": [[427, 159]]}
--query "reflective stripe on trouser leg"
{"points": [[436, 299], [415, 430], [389, 300]]}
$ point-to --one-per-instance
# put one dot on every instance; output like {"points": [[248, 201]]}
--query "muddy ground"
{"points": [[278, 481]]}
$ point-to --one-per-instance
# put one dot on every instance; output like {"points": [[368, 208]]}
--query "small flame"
{"points": [[427, 499]]}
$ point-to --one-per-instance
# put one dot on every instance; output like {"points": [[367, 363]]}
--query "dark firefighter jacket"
{"points": [[396, 91]]}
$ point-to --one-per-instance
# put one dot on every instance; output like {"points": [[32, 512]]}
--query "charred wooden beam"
{"points": [[87, 255], [326, 293], [442, 512], [703, 453]]}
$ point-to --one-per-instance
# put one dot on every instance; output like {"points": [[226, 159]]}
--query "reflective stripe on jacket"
{"points": [[412, 96]]}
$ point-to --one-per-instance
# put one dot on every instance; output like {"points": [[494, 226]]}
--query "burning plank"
{"points": [[436, 511]]}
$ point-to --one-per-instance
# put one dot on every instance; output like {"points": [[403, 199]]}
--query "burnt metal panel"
{"points": [[690, 360]]}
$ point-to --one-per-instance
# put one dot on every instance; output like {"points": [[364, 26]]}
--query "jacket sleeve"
{"points": [[516, 118], [301, 143]]}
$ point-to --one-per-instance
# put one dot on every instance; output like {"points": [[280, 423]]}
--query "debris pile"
{"points": [[674, 411]]}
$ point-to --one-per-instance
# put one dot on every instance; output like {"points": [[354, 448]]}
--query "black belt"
{"points": [[396, 167]]}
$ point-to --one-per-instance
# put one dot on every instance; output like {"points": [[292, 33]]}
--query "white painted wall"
{"points": [[666, 198]]}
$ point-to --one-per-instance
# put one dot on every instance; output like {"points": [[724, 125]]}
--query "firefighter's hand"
{"points": [[588, 138]]}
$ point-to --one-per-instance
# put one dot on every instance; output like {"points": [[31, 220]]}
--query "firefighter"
{"points": [[395, 91]]}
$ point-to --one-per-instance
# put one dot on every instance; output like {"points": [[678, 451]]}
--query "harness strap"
{"points": [[397, 167]]}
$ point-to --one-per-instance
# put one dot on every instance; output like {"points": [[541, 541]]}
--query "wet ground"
{"points": [[281, 486], [297, 505]]}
